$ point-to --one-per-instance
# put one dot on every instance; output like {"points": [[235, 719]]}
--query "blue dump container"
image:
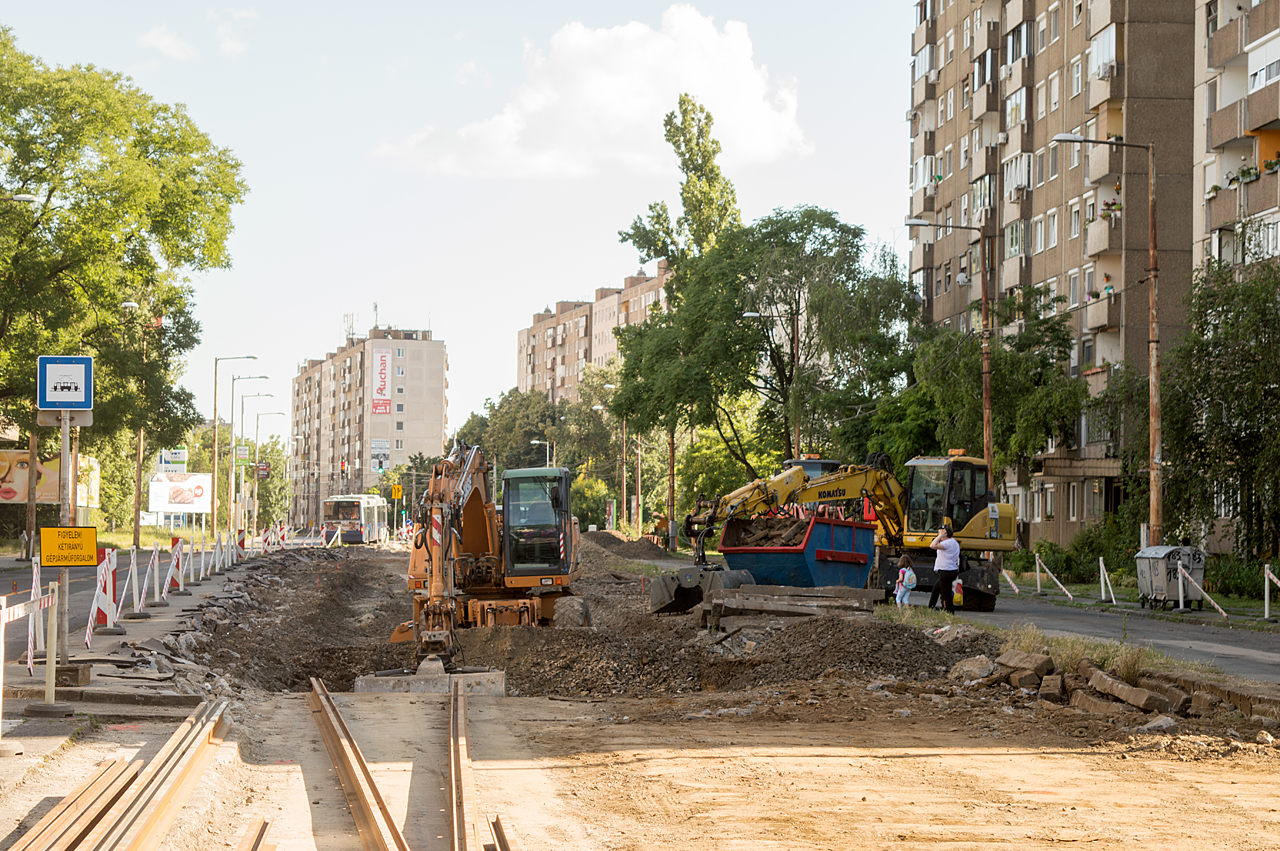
{"points": [[832, 552]]}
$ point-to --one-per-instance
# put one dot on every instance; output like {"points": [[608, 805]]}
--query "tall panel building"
{"points": [[375, 401], [992, 84]]}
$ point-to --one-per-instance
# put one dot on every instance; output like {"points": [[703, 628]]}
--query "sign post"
{"points": [[65, 385]]}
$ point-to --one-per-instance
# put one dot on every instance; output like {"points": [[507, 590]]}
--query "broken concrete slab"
{"points": [[1051, 689], [1094, 704], [1025, 679], [1021, 661], [1147, 701], [973, 668], [1162, 724], [1204, 703]]}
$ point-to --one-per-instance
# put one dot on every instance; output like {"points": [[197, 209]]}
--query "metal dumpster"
{"points": [[1158, 576], [833, 552]]}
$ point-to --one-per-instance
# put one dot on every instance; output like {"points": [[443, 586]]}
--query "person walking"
{"points": [[946, 567], [906, 582]]}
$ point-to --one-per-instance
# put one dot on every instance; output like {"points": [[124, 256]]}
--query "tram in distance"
{"points": [[358, 518]]}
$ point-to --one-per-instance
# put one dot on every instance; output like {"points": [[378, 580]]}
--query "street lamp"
{"points": [[256, 426], [795, 362], [214, 503], [988, 454], [231, 474], [546, 444], [239, 503], [1156, 522]]}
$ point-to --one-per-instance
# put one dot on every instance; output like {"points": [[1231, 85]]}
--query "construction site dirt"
{"points": [[644, 732]]}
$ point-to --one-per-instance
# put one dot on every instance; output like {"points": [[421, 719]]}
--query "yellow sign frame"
{"points": [[69, 546], [396, 492]]}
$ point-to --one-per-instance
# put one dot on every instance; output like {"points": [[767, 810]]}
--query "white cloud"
{"points": [[471, 72], [230, 29], [162, 39], [596, 99]]}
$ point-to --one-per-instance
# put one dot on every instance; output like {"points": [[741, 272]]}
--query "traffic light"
{"points": [[379, 465], [343, 466]]}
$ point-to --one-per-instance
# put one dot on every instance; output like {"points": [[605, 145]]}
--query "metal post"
{"points": [[1153, 272], [64, 574], [32, 477], [626, 507], [988, 454], [795, 372]]}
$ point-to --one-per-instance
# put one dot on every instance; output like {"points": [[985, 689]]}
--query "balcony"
{"points": [[922, 201], [986, 99], [1103, 13], [1015, 272], [922, 91], [1103, 237], [1263, 109], [1227, 124], [1016, 205], [1104, 161], [986, 38], [923, 145], [1020, 139], [925, 34], [1022, 73], [1227, 43], [1103, 90], [984, 161], [1102, 313], [1018, 11], [1264, 18], [1260, 195], [921, 256]]}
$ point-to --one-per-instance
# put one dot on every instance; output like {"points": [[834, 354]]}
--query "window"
{"points": [[399, 391], [399, 444], [1037, 238], [1051, 226], [964, 95], [942, 111], [399, 353], [1075, 150], [964, 209], [964, 151], [1017, 172], [1015, 108], [1090, 210], [1055, 24], [965, 36], [947, 219], [1077, 77], [1053, 160], [1042, 31], [1088, 280], [399, 370], [1073, 498], [1086, 353], [1040, 168], [399, 425], [1264, 76], [399, 407], [1073, 289], [1015, 239], [1040, 101], [1074, 225], [946, 158], [951, 103], [1053, 91], [951, 45], [1102, 53], [1077, 12], [923, 62], [946, 281], [1049, 501]]}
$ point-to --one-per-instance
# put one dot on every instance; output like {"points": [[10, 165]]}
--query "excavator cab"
{"points": [[538, 527], [953, 489]]}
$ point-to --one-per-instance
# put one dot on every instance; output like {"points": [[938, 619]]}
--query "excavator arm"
{"points": [[879, 486]]}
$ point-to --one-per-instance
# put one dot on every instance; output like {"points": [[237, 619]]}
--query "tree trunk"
{"points": [[671, 489], [33, 444]]}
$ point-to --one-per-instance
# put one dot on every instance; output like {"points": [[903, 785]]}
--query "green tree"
{"points": [[1033, 398], [275, 493], [1219, 413]]}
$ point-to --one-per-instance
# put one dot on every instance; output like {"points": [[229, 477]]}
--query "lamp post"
{"points": [[214, 503], [1154, 461], [231, 456], [546, 444], [253, 528], [988, 453], [240, 507], [795, 362]]}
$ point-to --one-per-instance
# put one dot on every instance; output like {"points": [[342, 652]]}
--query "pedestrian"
{"points": [[946, 567], [906, 582]]}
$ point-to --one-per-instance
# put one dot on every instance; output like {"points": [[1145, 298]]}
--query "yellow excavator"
{"points": [[475, 565], [949, 490]]}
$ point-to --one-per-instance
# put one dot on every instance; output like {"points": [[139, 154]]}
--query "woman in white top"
{"points": [[946, 567]]}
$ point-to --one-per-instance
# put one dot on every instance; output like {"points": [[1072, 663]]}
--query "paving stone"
{"points": [[1024, 679], [1051, 689], [1163, 724], [1147, 701], [1019, 661], [1093, 704]]}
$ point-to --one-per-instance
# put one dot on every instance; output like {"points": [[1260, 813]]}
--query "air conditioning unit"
{"points": [[1105, 72], [930, 190], [1006, 71], [931, 77], [1002, 138]]}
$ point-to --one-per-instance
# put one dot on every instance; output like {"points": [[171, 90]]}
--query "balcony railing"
{"points": [[1227, 43], [1263, 108], [1103, 237], [1227, 124]]}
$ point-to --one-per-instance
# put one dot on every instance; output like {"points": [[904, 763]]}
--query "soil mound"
{"points": [[640, 549]]}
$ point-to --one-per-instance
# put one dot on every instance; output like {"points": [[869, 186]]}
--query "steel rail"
{"points": [[147, 814], [462, 782], [378, 831], [255, 838]]}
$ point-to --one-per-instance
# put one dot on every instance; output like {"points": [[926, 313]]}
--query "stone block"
{"points": [[1204, 703], [1163, 724], [1087, 668], [973, 668], [1051, 689], [1019, 661], [999, 676], [1024, 679], [1147, 701], [1094, 704], [70, 676], [1074, 682]]}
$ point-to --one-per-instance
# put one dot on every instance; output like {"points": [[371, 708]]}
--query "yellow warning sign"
{"points": [[75, 546], [397, 492]]}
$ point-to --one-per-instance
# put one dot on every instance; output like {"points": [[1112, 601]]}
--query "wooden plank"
{"points": [[76, 814], [822, 591]]}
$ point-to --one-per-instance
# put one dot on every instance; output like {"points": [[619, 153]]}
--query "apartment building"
{"points": [[367, 406], [553, 352], [1237, 140], [992, 85]]}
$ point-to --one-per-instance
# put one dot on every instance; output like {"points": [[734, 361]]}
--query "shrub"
{"points": [[1229, 575], [1112, 539]]}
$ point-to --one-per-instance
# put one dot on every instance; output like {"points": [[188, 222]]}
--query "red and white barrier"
{"points": [[35, 621], [1267, 578], [1039, 567], [240, 551], [102, 611], [1010, 581], [10, 614], [1182, 574], [1104, 579]]}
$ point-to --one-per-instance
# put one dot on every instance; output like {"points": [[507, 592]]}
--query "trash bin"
{"points": [[1158, 576]]}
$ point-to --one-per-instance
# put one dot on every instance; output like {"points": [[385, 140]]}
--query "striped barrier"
{"points": [[1039, 567], [10, 614]]}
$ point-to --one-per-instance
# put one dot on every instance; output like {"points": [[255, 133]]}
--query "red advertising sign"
{"points": [[381, 395]]}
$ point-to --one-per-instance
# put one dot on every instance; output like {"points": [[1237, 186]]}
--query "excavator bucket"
{"points": [[403, 632], [672, 593]]}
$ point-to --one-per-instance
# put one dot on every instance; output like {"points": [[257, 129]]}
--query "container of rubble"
{"points": [[1158, 576], [801, 552]]}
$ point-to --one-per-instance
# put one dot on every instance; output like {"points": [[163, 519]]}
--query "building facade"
{"points": [[992, 85], [553, 352], [369, 405]]}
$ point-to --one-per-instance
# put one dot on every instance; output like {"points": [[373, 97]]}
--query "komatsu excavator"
{"points": [[475, 565], [954, 490]]}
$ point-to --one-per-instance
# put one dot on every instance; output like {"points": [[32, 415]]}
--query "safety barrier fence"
{"points": [[1039, 567]]}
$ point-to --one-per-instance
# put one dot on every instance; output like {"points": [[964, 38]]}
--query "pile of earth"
{"points": [[647, 655], [625, 549]]}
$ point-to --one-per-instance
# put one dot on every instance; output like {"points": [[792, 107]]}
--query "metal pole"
{"points": [[1153, 271], [231, 466], [64, 574], [213, 511], [33, 476], [988, 454], [795, 373], [626, 507]]}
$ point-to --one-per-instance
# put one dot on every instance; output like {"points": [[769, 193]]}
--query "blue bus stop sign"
{"points": [[65, 383]]}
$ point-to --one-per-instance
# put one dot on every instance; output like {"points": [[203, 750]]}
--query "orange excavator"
{"points": [[475, 565]]}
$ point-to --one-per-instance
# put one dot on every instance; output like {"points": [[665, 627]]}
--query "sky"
{"points": [[464, 165]]}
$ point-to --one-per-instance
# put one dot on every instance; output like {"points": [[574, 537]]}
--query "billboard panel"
{"points": [[15, 465], [381, 394], [180, 493]]}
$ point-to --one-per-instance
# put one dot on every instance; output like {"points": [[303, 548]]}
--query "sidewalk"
{"points": [[1053, 595]]}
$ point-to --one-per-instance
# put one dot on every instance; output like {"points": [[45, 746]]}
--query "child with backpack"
{"points": [[906, 582]]}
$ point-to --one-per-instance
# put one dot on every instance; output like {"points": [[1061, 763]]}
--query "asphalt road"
{"points": [[1250, 653]]}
